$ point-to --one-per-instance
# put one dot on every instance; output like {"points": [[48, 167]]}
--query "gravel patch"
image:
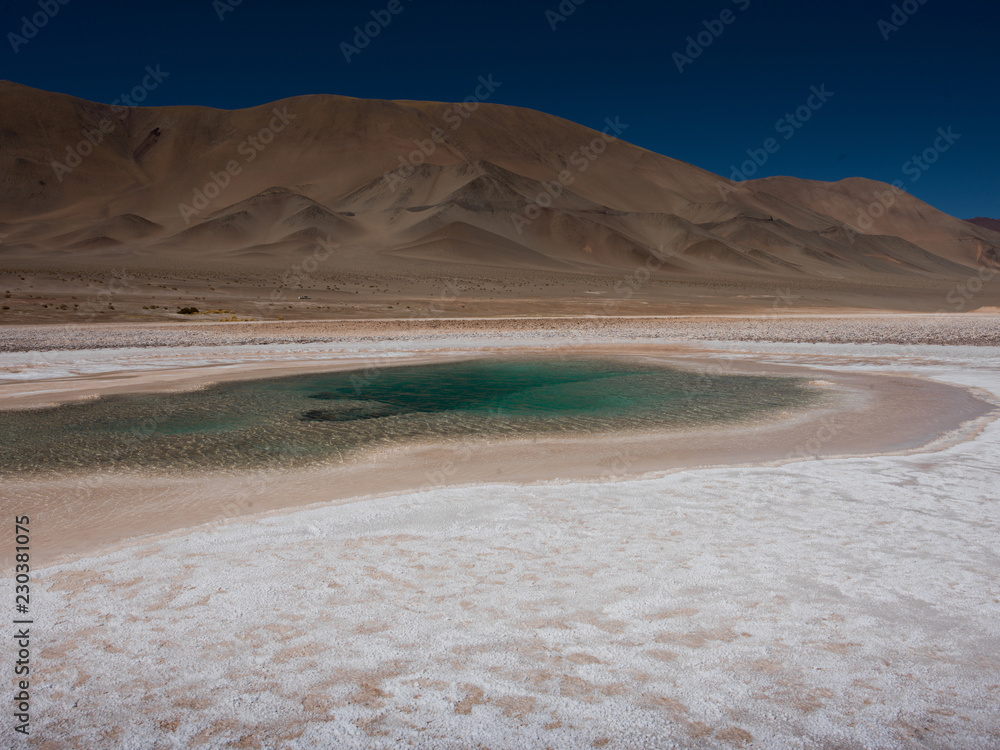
{"points": [[979, 330]]}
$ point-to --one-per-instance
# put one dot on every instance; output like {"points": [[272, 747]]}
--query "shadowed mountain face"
{"points": [[425, 188], [982, 221]]}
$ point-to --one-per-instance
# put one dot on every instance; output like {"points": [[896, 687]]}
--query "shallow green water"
{"points": [[327, 416]]}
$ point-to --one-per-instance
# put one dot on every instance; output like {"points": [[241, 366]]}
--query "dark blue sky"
{"points": [[940, 69]]}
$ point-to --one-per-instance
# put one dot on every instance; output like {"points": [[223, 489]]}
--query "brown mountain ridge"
{"points": [[378, 203]]}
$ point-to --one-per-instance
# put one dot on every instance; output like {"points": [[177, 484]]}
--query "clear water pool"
{"points": [[326, 417]]}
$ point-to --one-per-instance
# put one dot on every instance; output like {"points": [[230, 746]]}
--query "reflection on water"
{"points": [[327, 416]]}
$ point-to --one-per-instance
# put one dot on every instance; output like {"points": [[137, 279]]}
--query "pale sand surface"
{"points": [[81, 513], [836, 602]]}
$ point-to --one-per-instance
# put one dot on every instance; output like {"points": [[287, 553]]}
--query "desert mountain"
{"points": [[982, 221], [428, 189]]}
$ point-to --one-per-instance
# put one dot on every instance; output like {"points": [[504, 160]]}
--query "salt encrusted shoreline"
{"points": [[822, 603], [826, 603], [88, 511]]}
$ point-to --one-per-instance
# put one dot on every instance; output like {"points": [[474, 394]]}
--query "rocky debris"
{"points": [[957, 330]]}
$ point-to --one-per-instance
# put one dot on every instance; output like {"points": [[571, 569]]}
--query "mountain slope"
{"points": [[428, 189]]}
